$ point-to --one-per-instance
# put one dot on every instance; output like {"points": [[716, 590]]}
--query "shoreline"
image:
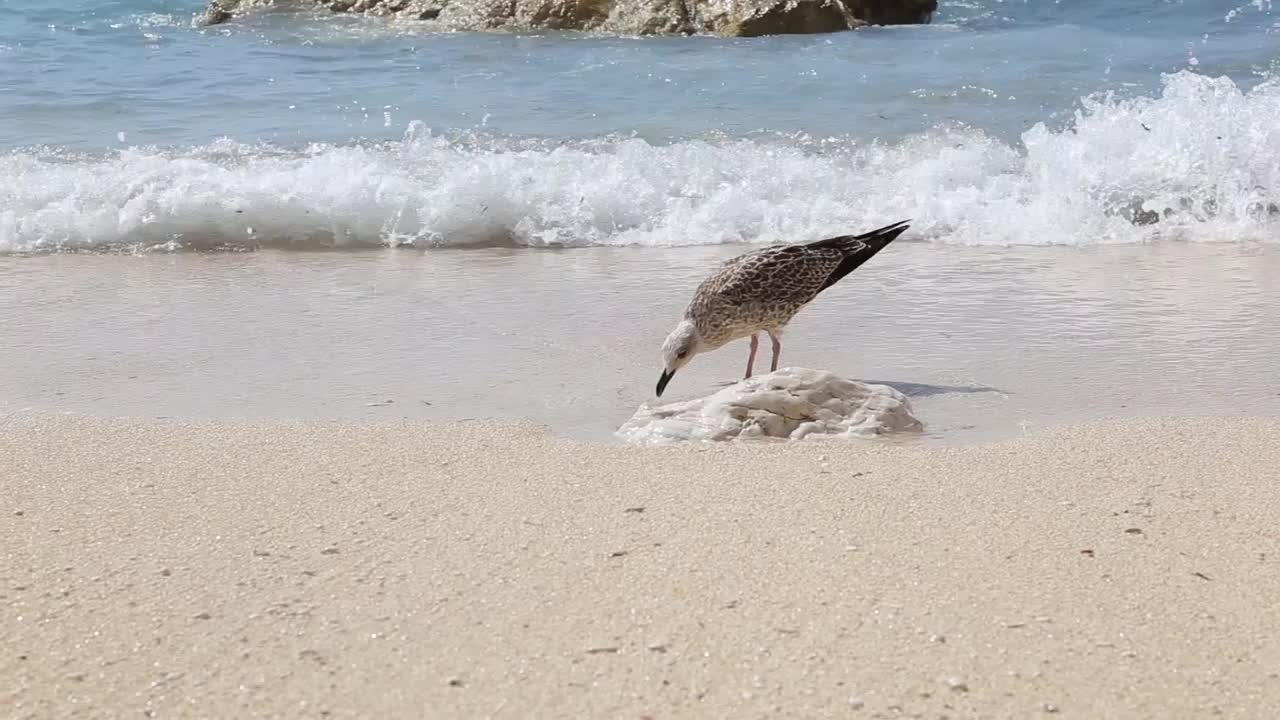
{"points": [[986, 342], [348, 569]]}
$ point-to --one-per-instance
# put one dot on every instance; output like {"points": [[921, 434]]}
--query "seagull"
{"points": [[763, 290]]}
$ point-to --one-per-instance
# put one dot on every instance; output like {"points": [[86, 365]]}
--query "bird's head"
{"points": [[679, 348]]}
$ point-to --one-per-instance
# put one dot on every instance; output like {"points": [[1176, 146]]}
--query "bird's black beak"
{"points": [[663, 380]]}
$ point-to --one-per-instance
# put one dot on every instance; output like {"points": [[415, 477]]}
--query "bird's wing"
{"points": [[857, 249], [786, 274]]}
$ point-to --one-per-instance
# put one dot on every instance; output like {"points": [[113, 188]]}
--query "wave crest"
{"points": [[1199, 162]]}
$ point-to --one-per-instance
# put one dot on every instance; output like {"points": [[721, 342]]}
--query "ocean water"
{"points": [[1094, 187], [125, 124]]}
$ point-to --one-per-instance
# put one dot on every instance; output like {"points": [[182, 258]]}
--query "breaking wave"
{"points": [[1200, 162]]}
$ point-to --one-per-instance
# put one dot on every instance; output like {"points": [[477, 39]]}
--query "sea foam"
{"points": [[1199, 162]]}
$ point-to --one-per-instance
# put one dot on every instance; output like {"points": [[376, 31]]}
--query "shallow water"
{"points": [[988, 342]]}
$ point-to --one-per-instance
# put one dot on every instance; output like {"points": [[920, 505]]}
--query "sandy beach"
{"points": [[329, 332], [157, 568]]}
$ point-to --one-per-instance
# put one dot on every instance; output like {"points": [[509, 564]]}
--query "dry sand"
{"points": [[172, 569]]}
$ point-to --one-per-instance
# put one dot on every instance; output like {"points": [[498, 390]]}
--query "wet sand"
{"points": [[989, 343], [336, 569]]}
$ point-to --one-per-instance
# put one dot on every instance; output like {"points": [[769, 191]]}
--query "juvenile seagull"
{"points": [[762, 290]]}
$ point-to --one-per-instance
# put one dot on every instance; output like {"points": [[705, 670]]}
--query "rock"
{"points": [[477, 14], [790, 403], [793, 17], [631, 17], [562, 14], [220, 11], [651, 17], [893, 12]]}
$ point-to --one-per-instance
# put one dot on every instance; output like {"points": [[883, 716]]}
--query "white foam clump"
{"points": [[1199, 160], [791, 403]]}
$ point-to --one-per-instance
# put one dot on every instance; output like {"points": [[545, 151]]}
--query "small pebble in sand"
{"points": [[455, 682], [1049, 707], [19, 513], [957, 684], [329, 551], [1134, 531], [856, 702]]}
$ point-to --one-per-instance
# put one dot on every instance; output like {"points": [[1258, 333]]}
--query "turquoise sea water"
{"points": [[126, 124]]}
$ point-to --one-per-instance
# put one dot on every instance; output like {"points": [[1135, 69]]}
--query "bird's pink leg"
{"points": [[777, 350], [751, 359]]}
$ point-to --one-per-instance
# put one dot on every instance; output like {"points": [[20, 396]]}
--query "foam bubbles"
{"points": [[1201, 162]]}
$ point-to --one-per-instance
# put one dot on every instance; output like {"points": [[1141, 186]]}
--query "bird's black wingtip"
{"points": [[897, 227], [862, 246], [858, 249]]}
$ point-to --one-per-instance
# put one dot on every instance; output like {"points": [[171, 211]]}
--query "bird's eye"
{"points": [[681, 355]]}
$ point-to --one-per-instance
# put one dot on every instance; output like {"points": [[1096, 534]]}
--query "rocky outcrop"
{"points": [[793, 17], [744, 18], [893, 12], [791, 403]]}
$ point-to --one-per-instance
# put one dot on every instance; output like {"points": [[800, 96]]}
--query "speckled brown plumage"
{"points": [[764, 289]]}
